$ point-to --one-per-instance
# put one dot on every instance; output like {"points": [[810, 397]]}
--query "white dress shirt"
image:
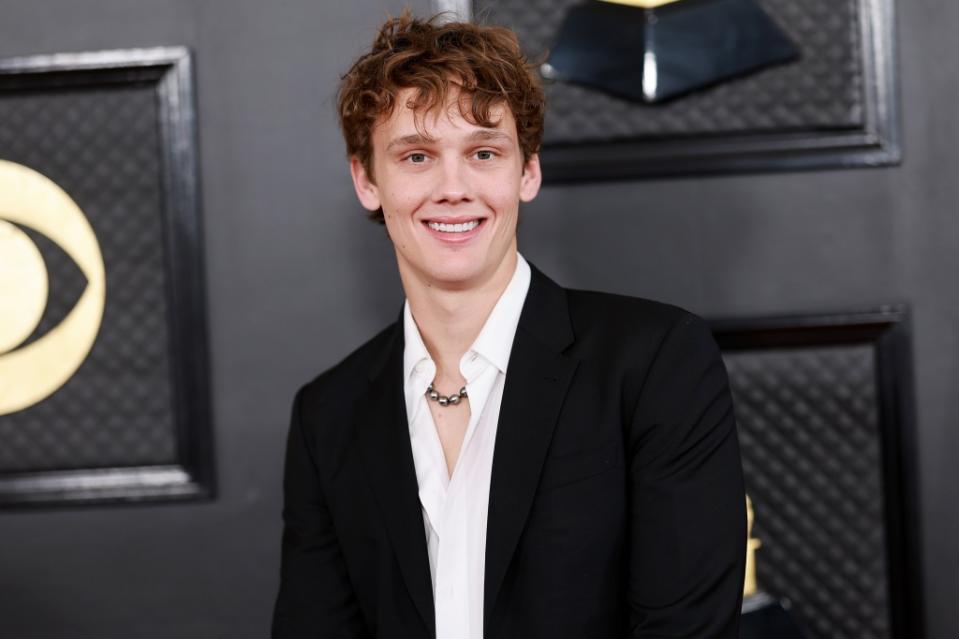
{"points": [[455, 508]]}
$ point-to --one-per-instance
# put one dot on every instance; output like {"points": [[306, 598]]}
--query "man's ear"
{"points": [[366, 190], [530, 181]]}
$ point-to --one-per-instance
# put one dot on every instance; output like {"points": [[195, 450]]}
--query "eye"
{"points": [[416, 158], [485, 154]]}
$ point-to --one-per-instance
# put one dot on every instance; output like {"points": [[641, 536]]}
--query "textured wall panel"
{"points": [[101, 147], [809, 431], [822, 90], [835, 106], [825, 415], [114, 130]]}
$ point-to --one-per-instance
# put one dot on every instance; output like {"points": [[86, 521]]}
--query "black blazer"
{"points": [[616, 506]]}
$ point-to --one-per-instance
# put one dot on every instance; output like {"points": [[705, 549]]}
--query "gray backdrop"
{"points": [[297, 277]]}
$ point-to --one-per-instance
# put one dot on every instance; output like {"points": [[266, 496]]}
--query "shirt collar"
{"points": [[495, 339], [414, 350]]}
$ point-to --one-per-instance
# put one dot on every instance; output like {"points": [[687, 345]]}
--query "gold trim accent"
{"points": [[33, 372], [644, 4], [749, 584]]}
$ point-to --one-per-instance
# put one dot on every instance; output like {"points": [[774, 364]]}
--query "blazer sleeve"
{"points": [[316, 598], [687, 520]]}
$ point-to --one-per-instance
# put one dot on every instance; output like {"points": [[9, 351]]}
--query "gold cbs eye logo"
{"points": [[30, 373]]}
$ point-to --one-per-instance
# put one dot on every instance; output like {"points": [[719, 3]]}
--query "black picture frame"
{"points": [[873, 144], [887, 331], [169, 71]]}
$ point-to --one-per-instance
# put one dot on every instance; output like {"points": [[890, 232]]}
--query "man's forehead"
{"points": [[407, 120]]}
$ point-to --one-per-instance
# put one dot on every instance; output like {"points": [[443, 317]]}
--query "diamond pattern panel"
{"points": [[823, 90], [809, 432], [101, 145]]}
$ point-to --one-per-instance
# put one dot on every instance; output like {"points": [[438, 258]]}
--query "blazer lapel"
{"points": [[537, 380], [384, 442]]}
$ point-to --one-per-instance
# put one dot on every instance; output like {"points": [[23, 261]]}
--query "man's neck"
{"points": [[449, 320]]}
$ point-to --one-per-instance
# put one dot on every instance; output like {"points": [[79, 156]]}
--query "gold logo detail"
{"points": [[33, 372], [749, 587]]}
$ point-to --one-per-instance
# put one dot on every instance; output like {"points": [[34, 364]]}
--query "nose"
{"points": [[452, 185]]}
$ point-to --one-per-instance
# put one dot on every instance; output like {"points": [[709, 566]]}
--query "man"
{"points": [[510, 458]]}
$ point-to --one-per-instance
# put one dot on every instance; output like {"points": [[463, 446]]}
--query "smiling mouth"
{"points": [[464, 227]]}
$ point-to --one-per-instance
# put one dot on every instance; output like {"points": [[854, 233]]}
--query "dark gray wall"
{"points": [[297, 277]]}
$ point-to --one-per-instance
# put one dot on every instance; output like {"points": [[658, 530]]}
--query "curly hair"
{"points": [[484, 63]]}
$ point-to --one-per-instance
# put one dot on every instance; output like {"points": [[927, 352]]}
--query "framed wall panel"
{"points": [[836, 106], [825, 414], [98, 157]]}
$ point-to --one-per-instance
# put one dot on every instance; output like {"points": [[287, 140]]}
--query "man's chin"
{"points": [[453, 270], [457, 280], [454, 274]]}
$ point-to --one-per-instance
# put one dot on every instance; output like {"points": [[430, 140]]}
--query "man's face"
{"points": [[450, 192]]}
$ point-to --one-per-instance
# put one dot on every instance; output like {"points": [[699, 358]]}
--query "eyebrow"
{"points": [[489, 134], [410, 140], [418, 138]]}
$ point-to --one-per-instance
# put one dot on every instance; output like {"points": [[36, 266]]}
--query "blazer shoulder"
{"points": [[622, 316], [626, 338], [343, 377]]}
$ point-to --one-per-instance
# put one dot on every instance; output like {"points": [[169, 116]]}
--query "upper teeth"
{"points": [[454, 228]]}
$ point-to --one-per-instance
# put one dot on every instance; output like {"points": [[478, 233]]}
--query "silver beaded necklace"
{"points": [[445, 400]]}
